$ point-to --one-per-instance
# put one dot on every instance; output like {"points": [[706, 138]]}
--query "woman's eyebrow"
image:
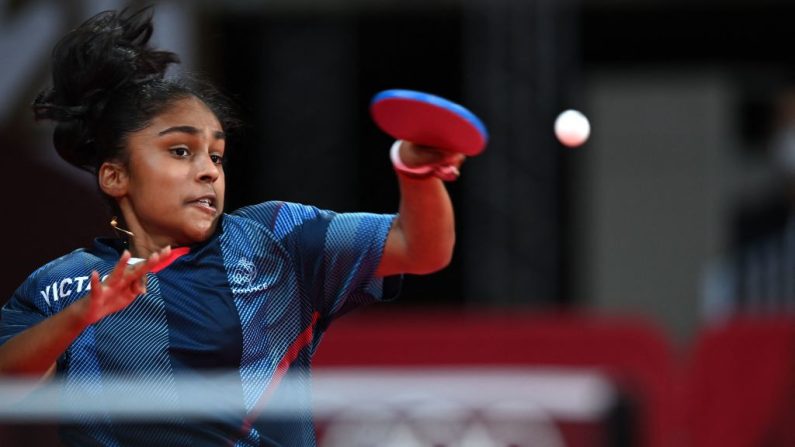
{"points": [[190, 130]]}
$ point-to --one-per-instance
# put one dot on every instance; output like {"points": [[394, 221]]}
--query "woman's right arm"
{"points": [[33, 352]]}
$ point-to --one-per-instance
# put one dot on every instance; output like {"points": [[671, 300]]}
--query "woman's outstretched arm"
{"points": [[423, 235]]}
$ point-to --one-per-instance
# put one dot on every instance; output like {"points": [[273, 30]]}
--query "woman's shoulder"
{"points": [[60, 277], [276, 215], [76, 263]]}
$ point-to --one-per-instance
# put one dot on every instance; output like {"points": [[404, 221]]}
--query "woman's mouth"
{"points": [[205, 203]]}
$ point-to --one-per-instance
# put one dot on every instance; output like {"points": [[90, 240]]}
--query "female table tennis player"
{"points": [[186, 288]]}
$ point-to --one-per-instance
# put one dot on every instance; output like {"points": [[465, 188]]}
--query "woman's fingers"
{"points": [[122, 285], [456, 159], [95, 284], [119, 271], [138, 287], [136, 278], [145, 267], [131, 278], [447, 168], [431, 156], [447, 173]]}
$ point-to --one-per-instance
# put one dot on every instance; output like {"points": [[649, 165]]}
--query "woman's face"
{"points": [[175, 185]]}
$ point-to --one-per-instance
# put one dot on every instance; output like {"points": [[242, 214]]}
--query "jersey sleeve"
{"points": [[336, 254], [352, 250], [22, 311]]}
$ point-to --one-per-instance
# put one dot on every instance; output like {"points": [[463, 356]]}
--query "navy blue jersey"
{"points": [[256, 298]]}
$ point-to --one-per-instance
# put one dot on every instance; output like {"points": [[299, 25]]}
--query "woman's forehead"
{"points": [[190, 108], [186, 113]]}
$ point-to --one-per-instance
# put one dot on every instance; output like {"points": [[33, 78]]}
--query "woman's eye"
{"points": [[180, 151], [217, 159]]}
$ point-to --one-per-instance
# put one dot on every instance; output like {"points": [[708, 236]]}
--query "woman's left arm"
{"points": [[422, 236]]}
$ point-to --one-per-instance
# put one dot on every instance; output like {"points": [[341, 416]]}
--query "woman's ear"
{"points": [[113, 179]]}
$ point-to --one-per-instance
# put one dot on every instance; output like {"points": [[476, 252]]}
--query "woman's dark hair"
{"points": [[108, 82]]}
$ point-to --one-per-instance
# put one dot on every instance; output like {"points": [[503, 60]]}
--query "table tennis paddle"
{"points": [[428, 120]]}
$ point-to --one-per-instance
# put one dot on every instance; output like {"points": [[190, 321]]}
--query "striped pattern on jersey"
{"points": [[290, 270]]}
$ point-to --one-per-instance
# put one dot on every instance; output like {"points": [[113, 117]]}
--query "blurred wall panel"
{"points": [[518, 59], [651, 195]]}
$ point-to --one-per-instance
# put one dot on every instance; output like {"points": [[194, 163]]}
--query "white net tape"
{"points": [[354, 407]]}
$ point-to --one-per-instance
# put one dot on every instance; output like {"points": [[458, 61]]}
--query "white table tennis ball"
{"points": [[572, 128]]}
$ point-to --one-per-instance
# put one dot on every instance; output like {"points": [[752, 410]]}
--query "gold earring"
{"points": [[115, 224]]}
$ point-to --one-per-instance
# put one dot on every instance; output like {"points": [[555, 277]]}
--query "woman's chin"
{"points": [[200, 231]]}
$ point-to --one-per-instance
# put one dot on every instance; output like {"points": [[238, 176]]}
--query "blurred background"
{"points": [[676, 214]]}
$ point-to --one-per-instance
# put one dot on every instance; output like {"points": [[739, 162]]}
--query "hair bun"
{"points": [[107, 54], [69, 138]]}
